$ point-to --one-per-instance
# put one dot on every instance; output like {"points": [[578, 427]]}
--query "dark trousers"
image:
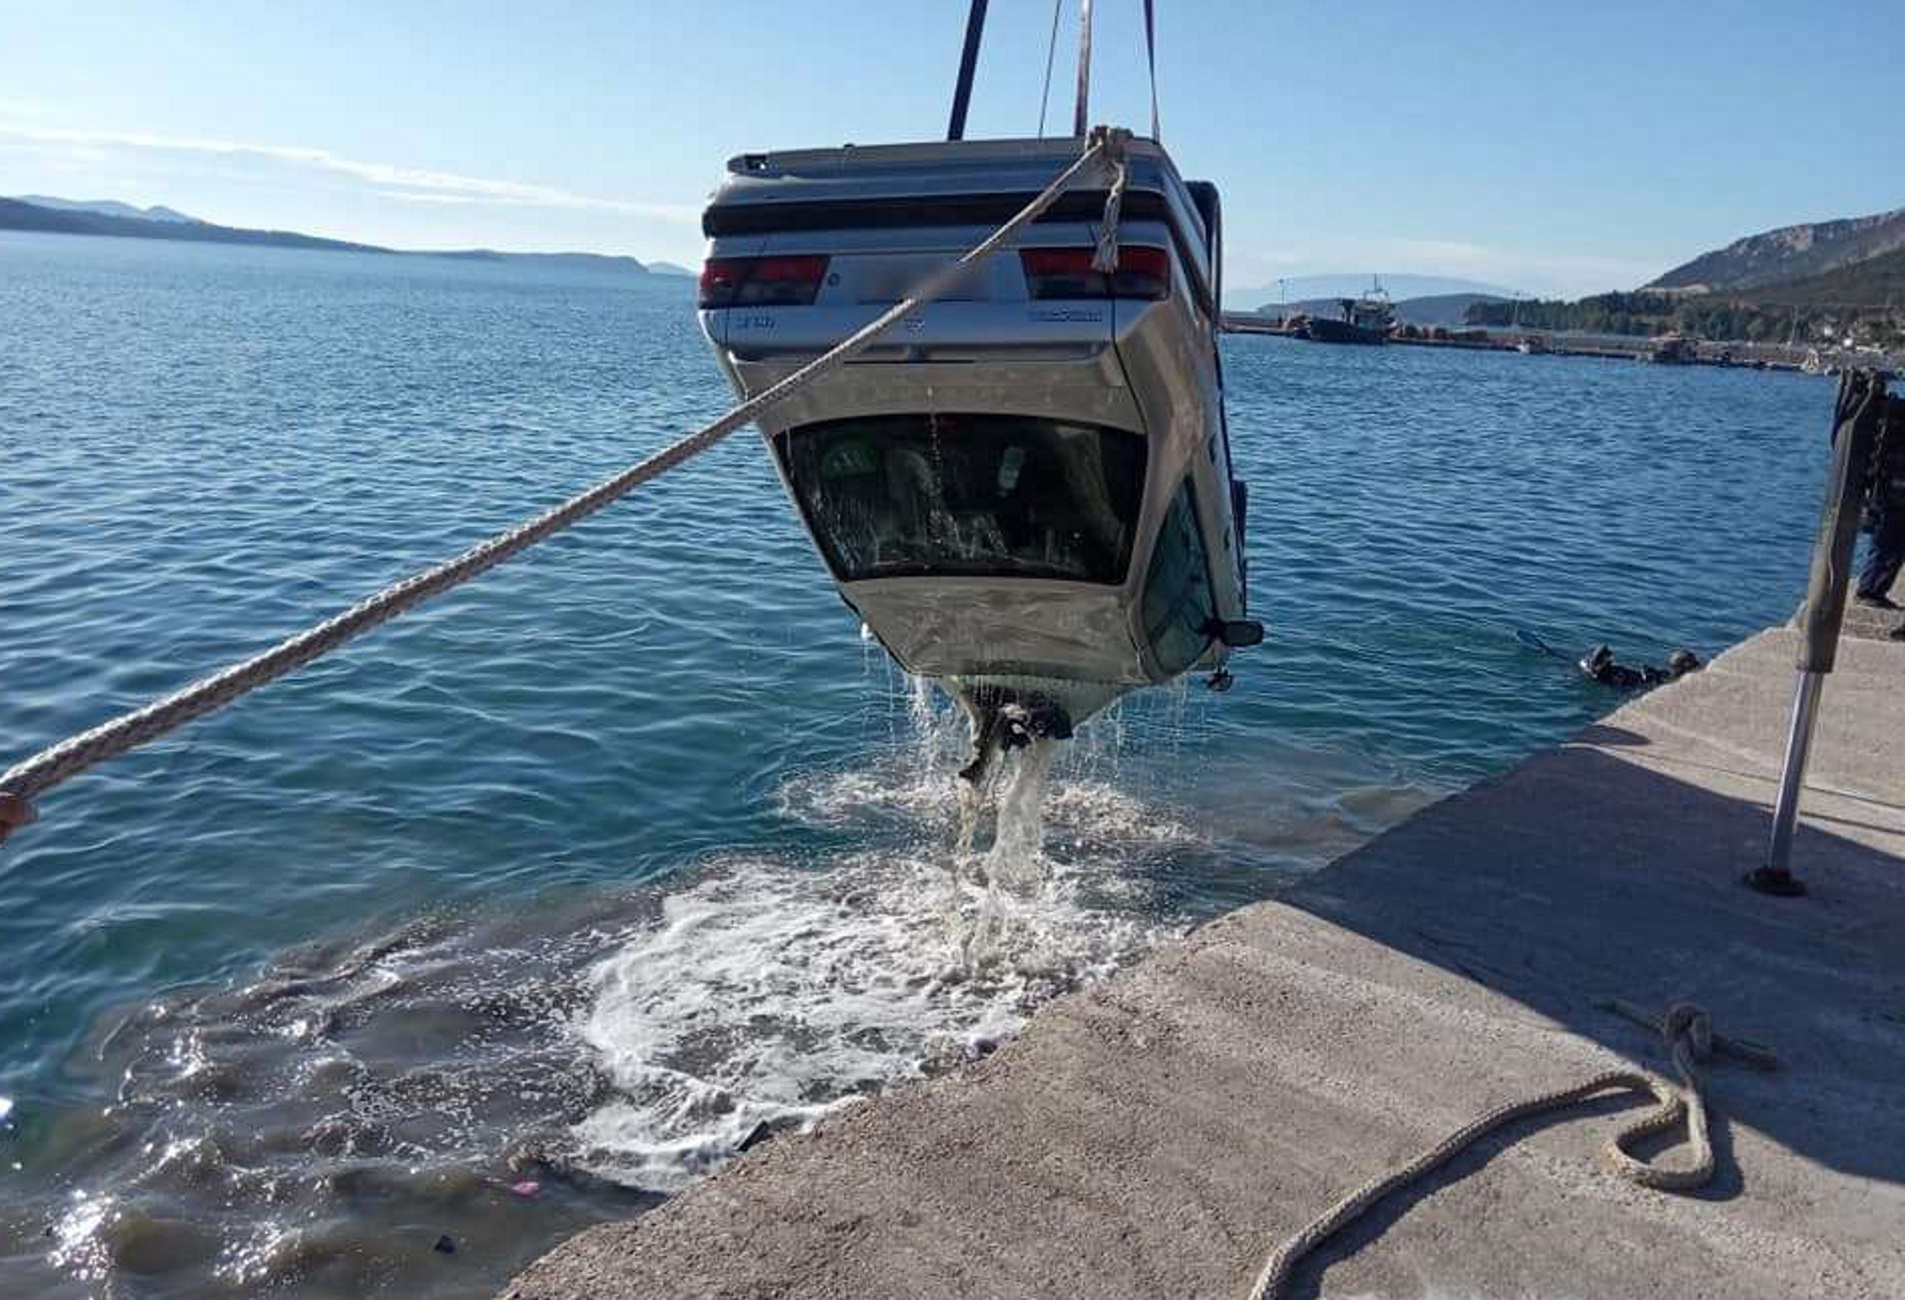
{"points": [[1885, 554]]}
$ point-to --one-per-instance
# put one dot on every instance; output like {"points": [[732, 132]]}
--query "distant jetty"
{"points": [[1609, 347]]}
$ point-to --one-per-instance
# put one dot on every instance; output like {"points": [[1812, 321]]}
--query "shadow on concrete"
{"points": [[1600, 733], [1582, 876]]}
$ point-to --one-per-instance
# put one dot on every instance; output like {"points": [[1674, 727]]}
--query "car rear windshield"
{"points": [[968, 495]]}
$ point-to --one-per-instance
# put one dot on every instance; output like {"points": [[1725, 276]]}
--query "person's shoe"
{"points": [[1876, 602], [1897, 633]]}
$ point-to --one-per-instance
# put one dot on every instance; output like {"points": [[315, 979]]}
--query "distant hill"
{"points": [[1433, 309], [1789, 254], [558, 261], [1875, 282], [18, 214], [105, 208], [1442, 308], [1309, 306], [1303, 288], [672, 268], [1831, 284]]}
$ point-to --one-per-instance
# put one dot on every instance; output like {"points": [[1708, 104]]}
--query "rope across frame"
{"points": [[62, 761]]}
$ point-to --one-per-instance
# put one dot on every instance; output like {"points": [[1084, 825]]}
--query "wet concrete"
{"points": [[1157, 1134]]}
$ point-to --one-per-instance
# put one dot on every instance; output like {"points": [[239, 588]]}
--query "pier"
{"points": [[1730, 354], [1158, 1133]]}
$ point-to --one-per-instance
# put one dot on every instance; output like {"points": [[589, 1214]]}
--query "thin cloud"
{"points": [[391, 180]]}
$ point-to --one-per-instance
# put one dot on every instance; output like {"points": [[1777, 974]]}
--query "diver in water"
{"points": [[1599, 664]]}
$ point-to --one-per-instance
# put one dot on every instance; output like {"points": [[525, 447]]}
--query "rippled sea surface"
{"points": [[537, 905]]}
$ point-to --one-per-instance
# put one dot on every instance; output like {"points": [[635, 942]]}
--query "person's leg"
{"points": [[1884, 557]]}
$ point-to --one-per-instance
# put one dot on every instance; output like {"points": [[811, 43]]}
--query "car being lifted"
{"points": [[1024, 489]]}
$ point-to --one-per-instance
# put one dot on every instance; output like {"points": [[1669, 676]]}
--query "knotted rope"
{"points": [[69, 757], [1689, 1039]]}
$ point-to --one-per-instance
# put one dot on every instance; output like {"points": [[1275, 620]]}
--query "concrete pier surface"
{"points": [[1157, 1134]]}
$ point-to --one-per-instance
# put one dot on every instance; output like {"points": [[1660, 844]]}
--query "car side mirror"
{"points": [[1235, 632]]}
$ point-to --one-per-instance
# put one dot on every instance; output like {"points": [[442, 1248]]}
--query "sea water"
{"points": [[540, 904]]}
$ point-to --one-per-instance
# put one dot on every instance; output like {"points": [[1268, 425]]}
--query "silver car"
{"points": [[1024, 489]]}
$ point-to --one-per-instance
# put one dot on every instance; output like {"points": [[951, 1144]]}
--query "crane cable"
{"points": [[1051, 50], [1151, 58], [1081, 108]]}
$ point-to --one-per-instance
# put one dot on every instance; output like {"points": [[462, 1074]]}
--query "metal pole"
{"points": [[1854, 437], [1081, 113], [968, 62], [1776, 876]]}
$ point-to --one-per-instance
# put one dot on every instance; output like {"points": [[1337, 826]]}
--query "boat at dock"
{"points": [[1367, 319], [1024, 492], [1671, 349]]}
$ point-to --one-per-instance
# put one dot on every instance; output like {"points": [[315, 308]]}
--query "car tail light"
{"points": [[1067, 273], [761, 281], [1142, 273]]}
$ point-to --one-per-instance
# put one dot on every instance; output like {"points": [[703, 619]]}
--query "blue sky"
{"points": [[1547, 147]]}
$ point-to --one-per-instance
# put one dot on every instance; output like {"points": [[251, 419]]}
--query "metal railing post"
{"points": [[1854, 437]]}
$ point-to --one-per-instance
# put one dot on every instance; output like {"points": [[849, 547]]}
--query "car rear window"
{"points": [[968, 495]]}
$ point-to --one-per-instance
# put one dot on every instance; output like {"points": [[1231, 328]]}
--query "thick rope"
{"points": [[1689, 1038], [69, 757]]}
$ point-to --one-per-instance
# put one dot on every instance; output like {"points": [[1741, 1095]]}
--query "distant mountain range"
{"points": [[1442, 308], [1790, 255], [1877, 282], [1305, 288], [1430, 309], [672, 268], [1829, 284], [105, 208], [104, 217]]}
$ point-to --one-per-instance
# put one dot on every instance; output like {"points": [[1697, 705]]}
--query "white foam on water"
{"points": [[771, 991]]}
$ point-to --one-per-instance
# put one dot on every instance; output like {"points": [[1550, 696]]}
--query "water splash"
{"points": [[773, 991]]}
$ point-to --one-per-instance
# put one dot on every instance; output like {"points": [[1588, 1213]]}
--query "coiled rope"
{"points": [[1689, 1038], [68, 758]]}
